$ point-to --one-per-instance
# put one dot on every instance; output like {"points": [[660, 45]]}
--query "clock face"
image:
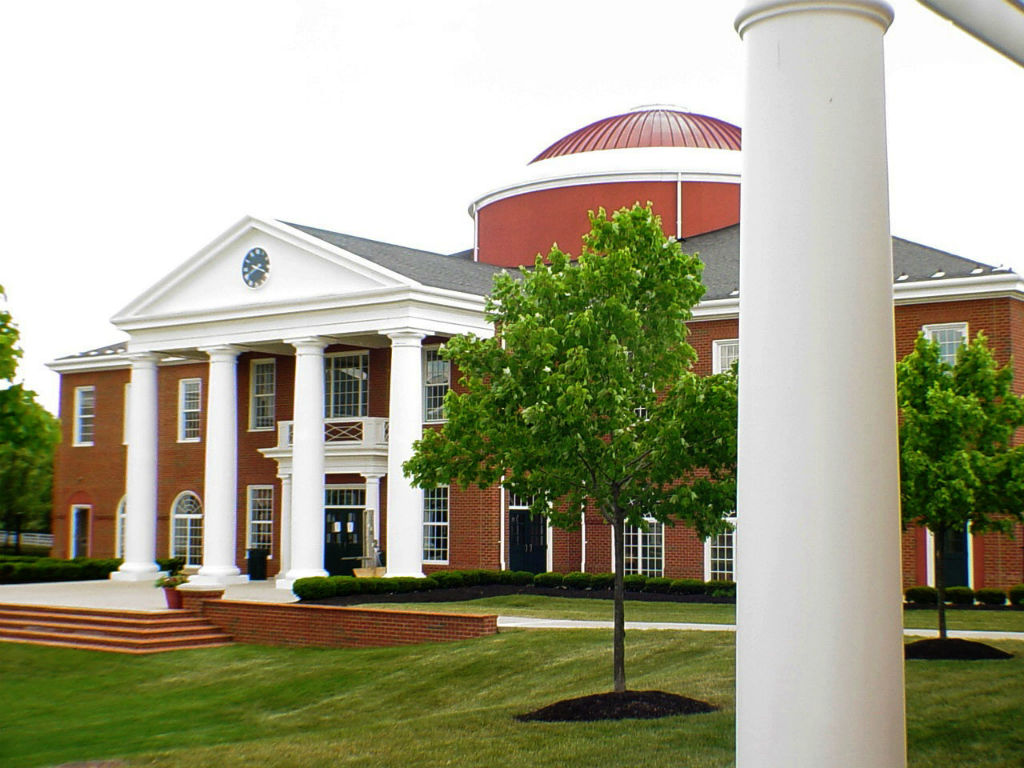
{"points": [[255, 267]]}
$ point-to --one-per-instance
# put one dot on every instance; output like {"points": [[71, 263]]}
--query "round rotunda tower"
{"points": [[686, 165]]}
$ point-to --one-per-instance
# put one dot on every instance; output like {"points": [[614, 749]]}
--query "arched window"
{"points": [[119, 528], [187, 528]]}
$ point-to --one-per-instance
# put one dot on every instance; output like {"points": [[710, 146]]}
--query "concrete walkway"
{"points": [[126, 595], [525, 622]]}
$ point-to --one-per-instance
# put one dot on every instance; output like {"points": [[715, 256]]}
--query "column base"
{"points": [[137, 572], [404, 574], [218, 575]]}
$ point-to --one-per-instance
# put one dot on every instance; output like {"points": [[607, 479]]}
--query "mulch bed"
{"points": [[641, 705], [494, 590], [952, 648]]}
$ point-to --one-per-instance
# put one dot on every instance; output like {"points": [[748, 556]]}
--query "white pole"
{"points": [[819, 662]]}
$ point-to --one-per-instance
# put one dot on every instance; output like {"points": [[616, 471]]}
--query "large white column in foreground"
{"points": [[405, 425], [140, 478], [819, 662], [220, 495], [307, 514]]}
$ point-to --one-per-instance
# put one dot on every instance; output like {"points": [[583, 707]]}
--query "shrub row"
{"points": [[52, 569], [928, 596], [320, 588]]}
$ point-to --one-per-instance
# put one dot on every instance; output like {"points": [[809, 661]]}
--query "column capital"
{"points": [[143, 359], [221, 352], [755, 11], [308, 344], [405, 337], [370, 476]]}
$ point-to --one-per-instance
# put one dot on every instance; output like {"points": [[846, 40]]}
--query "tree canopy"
{"points": [[585, 394], [28, 436], [959, 464]]}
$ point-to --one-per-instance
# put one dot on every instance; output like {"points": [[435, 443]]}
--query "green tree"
{"points": [[958, 463], [586, 394], [28, 436]]}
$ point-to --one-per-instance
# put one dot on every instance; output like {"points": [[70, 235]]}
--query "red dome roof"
{"points": [[648, 127]]}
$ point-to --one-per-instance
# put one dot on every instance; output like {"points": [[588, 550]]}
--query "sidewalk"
{"points": [[126, 595]]}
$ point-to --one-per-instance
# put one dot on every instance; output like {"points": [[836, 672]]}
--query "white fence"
{"points": [[28, 539]]}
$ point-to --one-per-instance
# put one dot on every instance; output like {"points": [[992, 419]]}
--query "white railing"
{"points": [[366, 432], [29, 539]]}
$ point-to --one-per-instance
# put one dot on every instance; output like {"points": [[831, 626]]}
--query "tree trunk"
{"points": [[619, 620], [940, 580]]}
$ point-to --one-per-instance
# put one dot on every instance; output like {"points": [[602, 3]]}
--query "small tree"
{"points": [[28, 436], [586, 394], [958, 463]]}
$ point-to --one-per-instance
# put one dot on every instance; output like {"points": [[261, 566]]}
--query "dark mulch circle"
{"points": [[642, 705], [952, 648]]}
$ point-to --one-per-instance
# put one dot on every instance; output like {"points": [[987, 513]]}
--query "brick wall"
{"points": [[335, 626]]}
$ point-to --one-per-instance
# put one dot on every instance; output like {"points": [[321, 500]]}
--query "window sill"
{"points": [[82, 445]]}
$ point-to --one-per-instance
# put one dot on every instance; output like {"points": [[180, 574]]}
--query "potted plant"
{"points": [[169, 584]]}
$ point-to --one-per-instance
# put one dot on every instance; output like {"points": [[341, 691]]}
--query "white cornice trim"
{"points": [[994, 285], [605, 177]]}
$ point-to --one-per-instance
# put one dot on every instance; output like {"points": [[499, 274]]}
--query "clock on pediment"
{"points": [[255, 268]]}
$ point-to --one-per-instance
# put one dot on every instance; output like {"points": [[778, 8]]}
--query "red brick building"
{"points": [[277, 379]]}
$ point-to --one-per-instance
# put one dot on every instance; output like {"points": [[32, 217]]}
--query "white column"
{"points": [[220, 495], [373, 504], [819, 662], [285, 536], [140, 478], [307, 515], [405, 413]]}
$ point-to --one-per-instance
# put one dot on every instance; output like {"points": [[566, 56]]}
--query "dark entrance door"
{"points": [[343, 530], [954, 559], [80, 532], [527, 541]]}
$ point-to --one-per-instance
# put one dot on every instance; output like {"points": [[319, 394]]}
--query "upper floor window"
{"points": [[437, 379], [346, 385], [643, 549], [85, 415], [949, 337], [724, 352], [262, 391], [190, 393]]}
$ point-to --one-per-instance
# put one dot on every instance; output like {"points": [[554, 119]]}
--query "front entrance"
{"points": [[79, 531], [343, 529], [954, 559], [527, 541]]}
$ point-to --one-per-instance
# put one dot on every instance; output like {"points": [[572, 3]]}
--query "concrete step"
{"points": [[106, 630]]}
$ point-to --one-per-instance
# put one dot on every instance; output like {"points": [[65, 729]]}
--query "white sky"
{"points": [[136, 132]]}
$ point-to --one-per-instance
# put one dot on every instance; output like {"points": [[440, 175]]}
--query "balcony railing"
{"points": [[368, 432]]}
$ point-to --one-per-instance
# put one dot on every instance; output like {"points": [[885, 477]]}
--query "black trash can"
{"points": [[257, 564]]}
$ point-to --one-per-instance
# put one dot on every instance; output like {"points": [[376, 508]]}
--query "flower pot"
{"points": [[173, 597]]}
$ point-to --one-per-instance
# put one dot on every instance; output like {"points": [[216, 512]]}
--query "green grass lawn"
{"points": [[441, 704], [697, 613]]}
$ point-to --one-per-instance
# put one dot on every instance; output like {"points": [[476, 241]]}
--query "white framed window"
{"points": [[260, 514], [720, 555], [127, 401], [724, 352], [346, 384], [85, 416], [437, 380], [949, 336], [435, 525], [190, 403], [187, 528], [262, 394], [644, 548], [119, 528]]}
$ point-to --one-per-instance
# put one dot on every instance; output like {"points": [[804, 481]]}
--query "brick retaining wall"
{"points": [[327, 626]]}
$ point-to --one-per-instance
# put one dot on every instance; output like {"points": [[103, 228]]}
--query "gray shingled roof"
{"points": [[455, 272], [720, 252]]}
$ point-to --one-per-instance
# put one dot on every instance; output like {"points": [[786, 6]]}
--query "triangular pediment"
{"points": [[301, 268]]}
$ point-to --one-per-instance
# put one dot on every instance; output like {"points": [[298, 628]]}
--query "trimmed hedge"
{"points": [[922, 595], [548, 579], [577, 580], [686, 587], [45, 569], [658, 584], [1016, 595], [635, 582], [960, 595], [720, 588], [990, 596]]}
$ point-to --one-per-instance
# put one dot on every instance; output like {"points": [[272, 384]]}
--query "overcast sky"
{"points": [[136, 132]]}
